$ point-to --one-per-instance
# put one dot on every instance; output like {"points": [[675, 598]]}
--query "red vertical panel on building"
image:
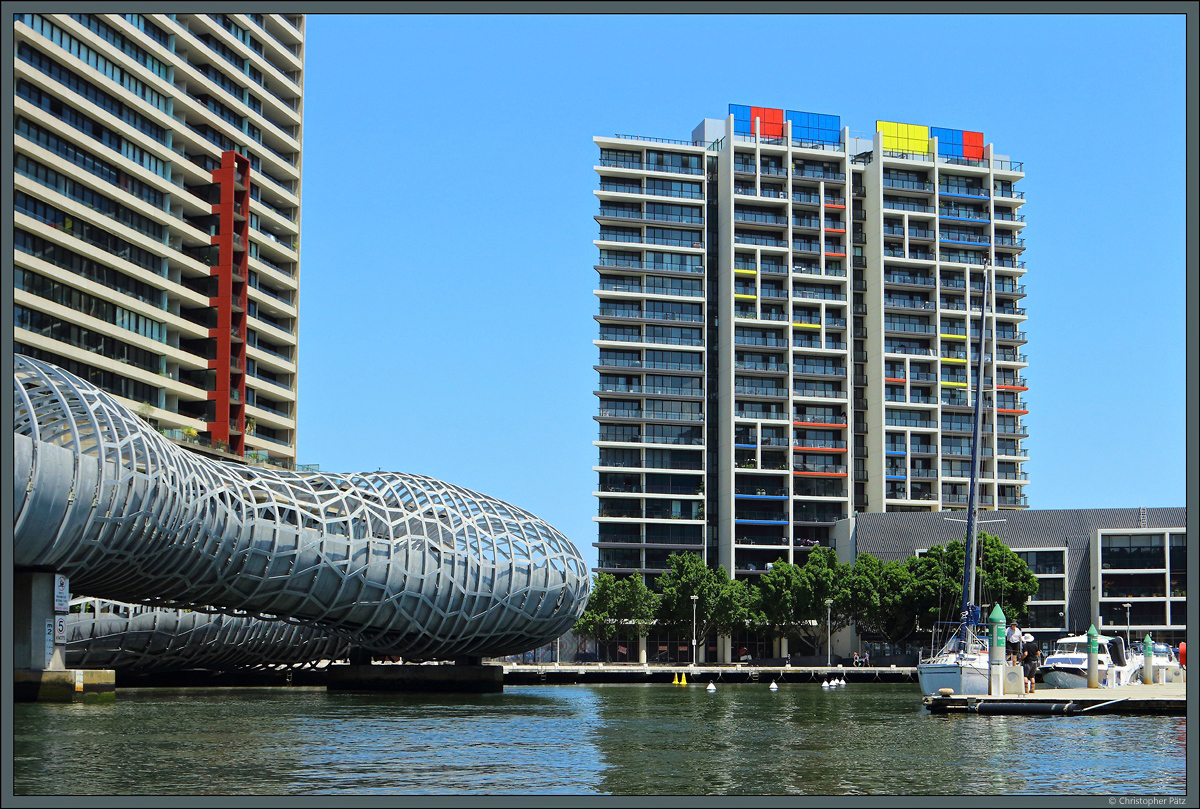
{"points": [[771, 122], [229, 331], [972, 145]]}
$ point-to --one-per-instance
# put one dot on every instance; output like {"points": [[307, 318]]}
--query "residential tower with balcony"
{"points": [[157, 205], [788, 333]]}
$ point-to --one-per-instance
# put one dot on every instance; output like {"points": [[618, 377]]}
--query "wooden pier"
{"points": [[1169, 699]]}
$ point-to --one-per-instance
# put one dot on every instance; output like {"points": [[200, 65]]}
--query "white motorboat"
{"points": [[1067, 665]]}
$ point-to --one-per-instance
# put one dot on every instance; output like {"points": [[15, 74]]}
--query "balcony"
{"points": [[819, 468], [820, 370], [761, 239], [896, 205], [814, 443], [640, 315], [820, 393], [910, 280], [817, 173], [907, 421], [774, 415], [912, 328], [760, 390], [963, 238], [962, 191], [903, 303], [913, 185], [751, 216], [963, 213]]}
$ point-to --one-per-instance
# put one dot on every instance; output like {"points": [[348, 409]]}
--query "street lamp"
{"points": [[695, 598], [828, 632], [1126, 605]]}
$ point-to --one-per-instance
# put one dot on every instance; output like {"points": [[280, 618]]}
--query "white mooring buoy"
{"points": [[773, 686], [711, 687]]}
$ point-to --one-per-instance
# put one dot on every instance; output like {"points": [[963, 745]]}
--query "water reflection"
{"points": [[617, 739]]}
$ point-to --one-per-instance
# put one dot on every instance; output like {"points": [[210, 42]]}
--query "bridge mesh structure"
{"points": [[104, 634], [394, 563]]}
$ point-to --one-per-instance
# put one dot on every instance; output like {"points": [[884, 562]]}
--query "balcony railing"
{"points": [[908, 304], [832, 469], [916, 280], [916, 185], [962, 191]]}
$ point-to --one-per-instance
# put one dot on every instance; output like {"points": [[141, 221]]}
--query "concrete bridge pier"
{"points": [[467, 676], [40, 674]]}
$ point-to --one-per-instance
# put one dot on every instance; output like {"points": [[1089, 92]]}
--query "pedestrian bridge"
{"points": [[392, 563]]}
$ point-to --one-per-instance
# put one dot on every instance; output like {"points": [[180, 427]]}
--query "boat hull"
{"points": [[961, 677]]}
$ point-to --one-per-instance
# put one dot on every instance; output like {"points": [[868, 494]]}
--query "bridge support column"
{"points": [[459, 678], [39, 664]]}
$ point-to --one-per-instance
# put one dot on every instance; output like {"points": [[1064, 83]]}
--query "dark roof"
{"points": [[894, 535]]}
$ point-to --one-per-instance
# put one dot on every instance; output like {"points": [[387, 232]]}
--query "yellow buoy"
{"points": [[683, 678], [675, 679]]}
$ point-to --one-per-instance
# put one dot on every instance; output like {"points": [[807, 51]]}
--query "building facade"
{"points": [[1122, 570], [157, 209], [788, 317]]}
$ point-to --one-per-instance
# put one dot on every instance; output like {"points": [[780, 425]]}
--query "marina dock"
{"points": [[1163, 699]]}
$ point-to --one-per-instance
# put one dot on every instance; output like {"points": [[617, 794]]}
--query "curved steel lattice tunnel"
{"points": [[395, 563], [114, 635]]}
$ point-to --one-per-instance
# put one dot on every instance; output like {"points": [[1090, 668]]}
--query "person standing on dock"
{"points": [[1031, 657], [1012, 644]]}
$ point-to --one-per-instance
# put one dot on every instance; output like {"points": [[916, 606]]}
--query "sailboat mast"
{"points": [[968, 591]]}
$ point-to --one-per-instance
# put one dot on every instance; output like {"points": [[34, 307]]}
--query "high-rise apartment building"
{"points": [[157, 207], [788, 316]]}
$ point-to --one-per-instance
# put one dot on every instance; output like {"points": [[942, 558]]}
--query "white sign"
{"points": [[60, 629], [62, 593], [49, 641]]}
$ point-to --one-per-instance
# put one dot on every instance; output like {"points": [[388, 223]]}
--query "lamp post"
{"points": [[1126, 605], [695, 598], [828, 632]]}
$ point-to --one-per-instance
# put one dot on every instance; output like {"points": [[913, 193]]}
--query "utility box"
{"points": [[1014, 680]]}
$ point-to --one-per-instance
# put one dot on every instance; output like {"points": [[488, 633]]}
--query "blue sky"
{"points": [[446, 258]]}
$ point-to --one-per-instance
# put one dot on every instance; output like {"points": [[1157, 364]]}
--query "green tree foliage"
{"points": [[774, 600], [823, 577], [634, 604], [1004, 578], [722, 604], [1001, 576], [597, 618], [884, 597]]}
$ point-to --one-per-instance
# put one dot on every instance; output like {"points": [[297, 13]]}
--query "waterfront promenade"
{"points": [[537, 673]]}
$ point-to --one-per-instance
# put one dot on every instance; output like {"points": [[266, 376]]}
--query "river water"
{"points": [[581, 739]]}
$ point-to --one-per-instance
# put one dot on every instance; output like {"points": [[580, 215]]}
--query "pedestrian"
{"points": [[857, 662], [1012, 644], [866, 658], [1031, 657]]}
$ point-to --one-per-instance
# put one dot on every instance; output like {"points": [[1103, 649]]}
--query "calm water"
{"points": [[610, 739]]}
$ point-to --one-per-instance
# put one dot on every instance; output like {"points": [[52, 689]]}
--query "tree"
{"points": [[722, 604], [634, 604], [884, 597], [823, 577], [1002, 577], [775, 599], [597, 618]]}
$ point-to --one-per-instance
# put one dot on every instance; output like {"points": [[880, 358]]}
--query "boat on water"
{"points": [[962, 663], [1067, 665]]}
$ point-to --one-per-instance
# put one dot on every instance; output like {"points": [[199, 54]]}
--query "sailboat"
{"points": [[962, 663]]}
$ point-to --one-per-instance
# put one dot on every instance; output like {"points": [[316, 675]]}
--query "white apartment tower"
{"points": [[788, 316], [157, 209]]}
